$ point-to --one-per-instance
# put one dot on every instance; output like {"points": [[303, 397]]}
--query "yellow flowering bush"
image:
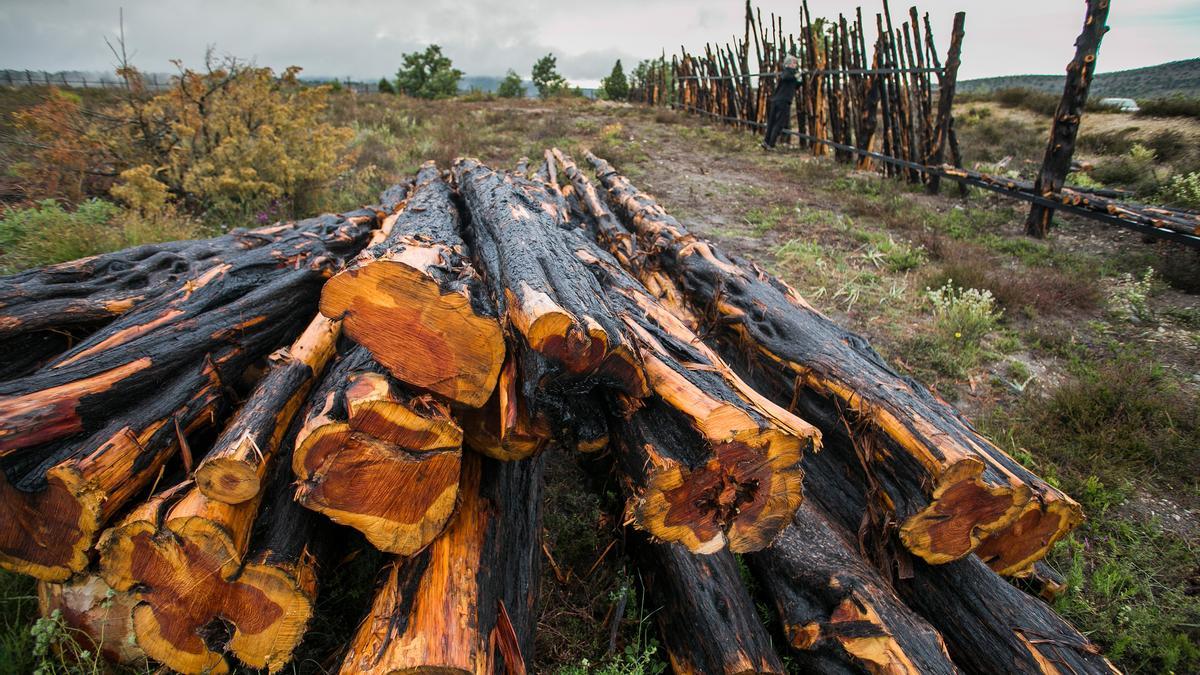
{"points": [[231, 140]]}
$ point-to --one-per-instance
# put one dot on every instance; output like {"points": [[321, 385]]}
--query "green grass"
{"points": [[762, 221], [1115, 423], [1123, 417], [1131, 585], [18, 611], [48, 233]]}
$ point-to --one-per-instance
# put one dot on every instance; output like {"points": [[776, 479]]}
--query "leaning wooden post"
{"points": [[1066, 119], [947, 79]]}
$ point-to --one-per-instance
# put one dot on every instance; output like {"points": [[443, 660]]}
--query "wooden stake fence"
{"points": [[1067, 117], [881, 102]]}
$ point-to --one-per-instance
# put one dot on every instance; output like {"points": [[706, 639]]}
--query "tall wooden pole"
{"points": [[946, 83], [1066, 119]]}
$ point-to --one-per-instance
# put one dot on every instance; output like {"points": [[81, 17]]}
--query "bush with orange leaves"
{"points": [[228, 141]]}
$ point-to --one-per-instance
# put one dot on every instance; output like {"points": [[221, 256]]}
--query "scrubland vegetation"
{"points": [[1153, 155]]}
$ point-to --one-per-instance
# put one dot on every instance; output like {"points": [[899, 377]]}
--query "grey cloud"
{"points": [[364, 38]]}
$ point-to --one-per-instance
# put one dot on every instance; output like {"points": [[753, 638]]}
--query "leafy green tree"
{"points": [[547, 78], [510, 86], [428, 74], [385, 86], [615, 86]]}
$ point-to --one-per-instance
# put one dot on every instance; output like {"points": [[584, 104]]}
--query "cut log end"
{"points": [[400, 500], [964, 511], [98, 616], [741, 497], [49, 531], [228, 479], [503, 429], [196, 599], [420, 423], [423, 335], [1014, 550], [390, 471]]}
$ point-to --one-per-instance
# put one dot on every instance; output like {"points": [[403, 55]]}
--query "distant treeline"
{"points": [[81, 79]]}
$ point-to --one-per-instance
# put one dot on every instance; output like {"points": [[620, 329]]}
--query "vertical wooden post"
{"points": [[1066, 119], [744, 65], [947, 80]]}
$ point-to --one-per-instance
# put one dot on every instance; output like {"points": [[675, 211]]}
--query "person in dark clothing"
{"points": [[780, 107]]}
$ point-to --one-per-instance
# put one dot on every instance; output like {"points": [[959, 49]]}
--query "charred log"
{"points": [[235, 468], [466, 603], [950, 488], [503, 428], [212, 578], [375, 456], [988, 625], [415, 301], [836, 607], [707, 461], [708, 620], [256, 294], [55, 500], [566, 340]]}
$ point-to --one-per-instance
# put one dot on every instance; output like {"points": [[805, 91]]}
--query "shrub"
{"points": [[511, 86], [1041, 289], [963, 317], [546, 77], [65, 148], [1082, 179], [1138, 171], [1183, 191], [58, 648], [968, 314], [1035, 101], [47, 233], [229, 139], [1169, 144], [385, 86], [1176, 106], [140, 189], [1129, 298], [615, 87], [991, 138], [1114, 142], [428, 74]]}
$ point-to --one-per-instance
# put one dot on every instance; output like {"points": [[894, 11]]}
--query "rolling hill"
{"points": [[1178, 78]]}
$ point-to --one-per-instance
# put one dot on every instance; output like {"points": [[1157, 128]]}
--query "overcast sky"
{"points": [[363, 39]]}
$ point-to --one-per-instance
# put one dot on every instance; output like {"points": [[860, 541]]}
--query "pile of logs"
{"points": [[191, 432]]}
